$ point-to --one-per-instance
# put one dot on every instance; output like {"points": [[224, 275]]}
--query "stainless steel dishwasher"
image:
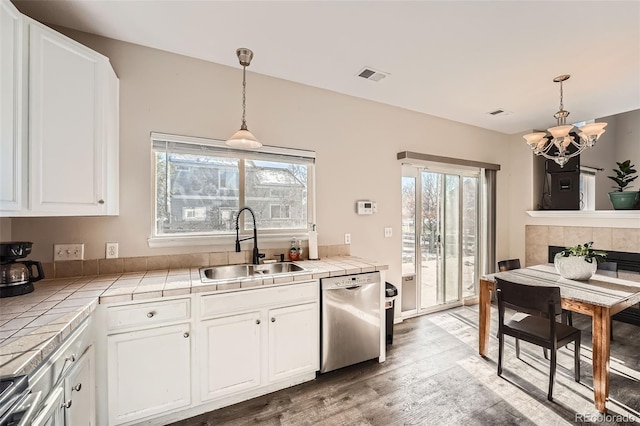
{"points": [[351, 320]]}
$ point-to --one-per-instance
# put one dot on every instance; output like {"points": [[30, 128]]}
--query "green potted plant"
{"points": [[625, 174], [578, 262]]}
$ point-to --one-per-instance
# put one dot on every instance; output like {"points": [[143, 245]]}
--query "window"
{"points": [[200, 184], [194, 213], [587, 188], [280, 211]]}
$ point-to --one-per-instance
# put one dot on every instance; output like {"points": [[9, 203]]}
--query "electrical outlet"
{"points": [[347, 238], [68, 252], [111, 250], [388, 232]]}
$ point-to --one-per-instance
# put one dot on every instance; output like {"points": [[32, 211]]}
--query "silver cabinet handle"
{"points": [[150, 314], [67, 404], [257, 321], [185, 335], [71, 358], [77, 387], [100, 201], [273, 320]]}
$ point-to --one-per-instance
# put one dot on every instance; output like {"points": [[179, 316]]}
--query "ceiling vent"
{"points": [[498, 111], [371, 74]]}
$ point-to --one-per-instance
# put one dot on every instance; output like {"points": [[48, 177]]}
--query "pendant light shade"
{"points": [[243, 138]]}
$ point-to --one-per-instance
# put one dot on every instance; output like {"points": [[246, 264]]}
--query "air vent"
{"points": [[498, 111], [371, 74]]}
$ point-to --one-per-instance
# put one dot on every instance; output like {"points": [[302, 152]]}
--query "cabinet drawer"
{"points": [[238, 301], [62, 360], [147, 314]]}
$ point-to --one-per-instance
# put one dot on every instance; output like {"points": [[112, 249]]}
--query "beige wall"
{"points": [[356, 142]]}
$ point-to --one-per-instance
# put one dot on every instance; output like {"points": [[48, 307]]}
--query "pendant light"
{"points": [[243, 138]]}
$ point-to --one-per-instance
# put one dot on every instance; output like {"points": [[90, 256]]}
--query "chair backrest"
{"points": [[608, 268], [532, 299], [508, 265]]}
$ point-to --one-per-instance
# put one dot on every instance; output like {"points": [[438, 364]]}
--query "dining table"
{"points": [[600, 297]]}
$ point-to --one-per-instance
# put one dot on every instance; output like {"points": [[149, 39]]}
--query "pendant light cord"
{"points": [[244, 98]]}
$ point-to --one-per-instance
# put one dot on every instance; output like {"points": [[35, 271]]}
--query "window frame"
{"points": [[265, 153]]}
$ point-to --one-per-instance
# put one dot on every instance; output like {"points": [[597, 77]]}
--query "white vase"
{"points": [[574, 267]]}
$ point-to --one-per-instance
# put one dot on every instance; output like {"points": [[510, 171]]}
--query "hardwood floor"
{"points": [[434, 376]]}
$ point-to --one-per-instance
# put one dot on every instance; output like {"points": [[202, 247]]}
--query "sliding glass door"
{"points": [[439, 248]]}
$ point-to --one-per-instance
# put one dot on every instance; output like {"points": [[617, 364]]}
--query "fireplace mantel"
{"points": [[586, 214]]}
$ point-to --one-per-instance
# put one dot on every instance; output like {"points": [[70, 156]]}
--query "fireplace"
{"points": [[626, 261]]}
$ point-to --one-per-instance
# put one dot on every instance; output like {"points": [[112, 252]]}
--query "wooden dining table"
{"points": [[600, 297]]}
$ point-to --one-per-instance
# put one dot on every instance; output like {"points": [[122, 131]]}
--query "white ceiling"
{"points": [[453, 59]]}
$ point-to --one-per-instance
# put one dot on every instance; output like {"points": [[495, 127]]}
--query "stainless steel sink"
{"points": [[275, 268], [212, 273], [225, 272]]}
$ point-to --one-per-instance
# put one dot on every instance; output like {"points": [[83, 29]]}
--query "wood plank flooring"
{"points": [[434, 376]]}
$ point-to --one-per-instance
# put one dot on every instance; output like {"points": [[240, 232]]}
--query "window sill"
{"points": [[223, 240], [583, 214]]}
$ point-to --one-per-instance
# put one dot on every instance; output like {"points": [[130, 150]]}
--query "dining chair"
{"points": [[508, 265], [609, 269], [511, 264], [528, 301]]}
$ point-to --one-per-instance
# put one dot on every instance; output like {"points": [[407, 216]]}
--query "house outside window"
{"points": [[200, 185], [280, 211]]}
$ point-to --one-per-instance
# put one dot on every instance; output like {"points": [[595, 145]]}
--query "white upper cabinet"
{"points": [[13, 155], [72, 118]]}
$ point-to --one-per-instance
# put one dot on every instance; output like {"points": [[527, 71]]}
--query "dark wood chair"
{"points": [[609, 269], [630, 315], [508, 265], [528, 301]]}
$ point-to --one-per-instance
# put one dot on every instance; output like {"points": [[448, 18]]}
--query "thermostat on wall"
{"points": [[365, 207]]}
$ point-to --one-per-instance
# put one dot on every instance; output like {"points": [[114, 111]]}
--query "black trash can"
{"points": [[390, 296]]}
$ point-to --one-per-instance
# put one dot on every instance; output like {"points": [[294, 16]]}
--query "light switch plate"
{"points": [[388, 232], [68, 252], [347, 238]]}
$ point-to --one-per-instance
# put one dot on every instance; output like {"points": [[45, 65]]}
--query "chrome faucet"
{"points": [[255, 258]]}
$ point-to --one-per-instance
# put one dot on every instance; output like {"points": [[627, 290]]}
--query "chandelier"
{"points": [[555, 145], [243, 138]]}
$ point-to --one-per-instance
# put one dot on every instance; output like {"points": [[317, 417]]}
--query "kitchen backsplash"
{"points": [[539, 237], [74, 268]]}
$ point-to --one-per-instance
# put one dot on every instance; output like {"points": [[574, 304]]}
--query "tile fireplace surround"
{"points": [[539, 237]]}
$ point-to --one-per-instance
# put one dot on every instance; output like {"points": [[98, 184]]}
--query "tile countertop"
{"points": [[33, 325]]}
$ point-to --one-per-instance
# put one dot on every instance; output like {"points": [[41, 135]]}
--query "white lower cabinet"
{"points": [[255, 339], [80, 392], [149, 372], [293, 341], [230, 354], [66, 384], [165, 363]]}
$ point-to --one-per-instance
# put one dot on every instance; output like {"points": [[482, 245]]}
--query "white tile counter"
{"points": [[33, 325]]}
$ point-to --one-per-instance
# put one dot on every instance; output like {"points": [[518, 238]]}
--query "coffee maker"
{"points": [[17, 277]]}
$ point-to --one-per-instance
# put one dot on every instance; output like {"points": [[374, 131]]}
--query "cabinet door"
{"points": [[149, 372], [230, 354], [79, 392], [13, 158], [293, 341], [67, 85], [51, 413]]}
